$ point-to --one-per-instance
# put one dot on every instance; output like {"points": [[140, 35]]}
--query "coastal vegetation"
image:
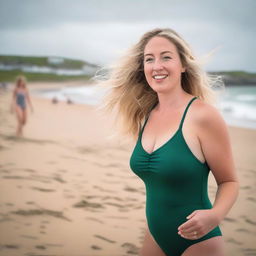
{"points": [[54, 68]]}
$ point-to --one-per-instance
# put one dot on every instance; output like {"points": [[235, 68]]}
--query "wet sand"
{"points": [[66, 187]]}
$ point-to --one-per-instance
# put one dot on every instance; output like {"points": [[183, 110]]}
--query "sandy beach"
{"points": [[66, 188]]}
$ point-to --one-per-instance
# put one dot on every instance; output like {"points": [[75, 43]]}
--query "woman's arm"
{"points": [[216, 147], [215, 144]]}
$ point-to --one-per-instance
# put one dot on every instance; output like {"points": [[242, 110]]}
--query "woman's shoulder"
{"points": [[205, 114]]}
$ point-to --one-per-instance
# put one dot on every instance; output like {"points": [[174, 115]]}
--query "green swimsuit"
{"points": [[176, 185]]}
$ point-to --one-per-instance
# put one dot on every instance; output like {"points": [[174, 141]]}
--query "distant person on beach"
{"points": [[69, 101], [55, 100], [164, 100], [19, 103]]}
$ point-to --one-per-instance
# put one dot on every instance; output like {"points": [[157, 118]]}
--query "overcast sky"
{"points": [[99, 31]]}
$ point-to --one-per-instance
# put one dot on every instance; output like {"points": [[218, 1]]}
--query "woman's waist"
{"points": [[178, 202]]}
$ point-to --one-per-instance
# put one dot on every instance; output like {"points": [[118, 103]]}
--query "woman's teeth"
{"points": [[160, 76]]}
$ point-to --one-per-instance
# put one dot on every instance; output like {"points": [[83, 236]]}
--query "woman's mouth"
{"points": [[159, 77]]}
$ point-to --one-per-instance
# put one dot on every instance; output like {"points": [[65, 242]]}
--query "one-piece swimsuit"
{"points": [[176, 185]]}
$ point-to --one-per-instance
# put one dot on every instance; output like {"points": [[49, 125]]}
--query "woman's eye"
{"points": [[148, 59], [167, 57]]}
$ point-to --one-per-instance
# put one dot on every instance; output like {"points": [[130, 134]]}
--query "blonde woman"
{"points": [[19, 103], [164, 100]]}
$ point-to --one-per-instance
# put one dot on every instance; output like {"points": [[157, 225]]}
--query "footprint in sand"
{"points": [[42, 189], [130, 189], [131, 248], [6, 218], [5, 171], [9, 204], [10, 246], [139, 190], [105, 239], [3, 148], [233, 241], [112, 197], [246, 219], [30, 202], [39, 178], [96, 247], [250, 221], [42, 226], [116, 205], [252, 199], [243, 230], [245, 187], [228, 219], [86, 204], [35, 212], [41, 247], [59, 179]]}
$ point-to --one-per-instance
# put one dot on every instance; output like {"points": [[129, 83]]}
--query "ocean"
{"points": [[237, 104]]}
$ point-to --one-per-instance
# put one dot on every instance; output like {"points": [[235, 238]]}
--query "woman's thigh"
{"points": [[211, 247], [149, 246], [19, 114]]}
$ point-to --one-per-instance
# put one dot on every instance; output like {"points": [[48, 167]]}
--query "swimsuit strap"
{"points": [[185, 112], [146, 118]]}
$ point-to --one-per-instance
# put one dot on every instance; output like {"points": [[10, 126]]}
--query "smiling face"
{"points": [[162, 64]]}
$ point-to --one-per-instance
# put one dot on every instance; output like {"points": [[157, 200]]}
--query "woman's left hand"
{"points": [[199, 224]]}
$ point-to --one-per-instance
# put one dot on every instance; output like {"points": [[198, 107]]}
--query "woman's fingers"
{"points": [[191, 235]]}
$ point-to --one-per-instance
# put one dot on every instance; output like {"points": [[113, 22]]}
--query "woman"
{"points": [[183, 137], [19, 103]]}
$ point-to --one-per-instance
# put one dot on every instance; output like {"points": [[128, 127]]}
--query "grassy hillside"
{"points": [[43, 61], [229, 77], [10, 76], [237, 77], [237, 73]]}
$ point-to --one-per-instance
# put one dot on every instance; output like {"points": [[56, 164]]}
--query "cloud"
{"points": [[31, 13], [99, 31]]}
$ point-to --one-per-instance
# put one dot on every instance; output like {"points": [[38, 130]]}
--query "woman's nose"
{"points": [[157, 65]]}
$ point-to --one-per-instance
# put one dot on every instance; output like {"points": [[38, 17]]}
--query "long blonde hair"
{"points": [[131, 96]]}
